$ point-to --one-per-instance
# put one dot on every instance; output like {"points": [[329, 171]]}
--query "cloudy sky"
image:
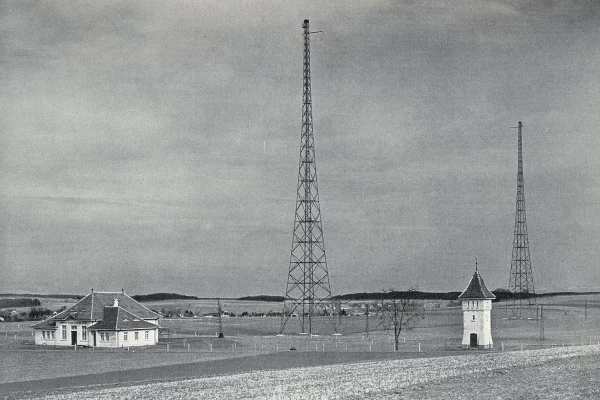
{"points": [[153, 145]]}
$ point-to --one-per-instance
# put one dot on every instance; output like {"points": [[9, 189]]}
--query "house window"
{"points": [[125, 336], [52, 332], [84, 333], [64, 332], [43, 334], [146, 335], [137, 335]]}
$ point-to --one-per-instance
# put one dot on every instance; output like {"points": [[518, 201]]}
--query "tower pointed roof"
{"points": [[477, 289]]}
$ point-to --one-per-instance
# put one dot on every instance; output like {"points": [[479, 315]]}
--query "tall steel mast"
{"points": [[521, 277], [308, 293]]}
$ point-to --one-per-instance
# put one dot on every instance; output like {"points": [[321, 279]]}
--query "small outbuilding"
{"points": [[477, 309], [100, 319]]}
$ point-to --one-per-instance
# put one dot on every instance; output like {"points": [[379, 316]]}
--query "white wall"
{"points": [[480, 325], [115, 339], [47, 340], [141, 340], [58, 339]]}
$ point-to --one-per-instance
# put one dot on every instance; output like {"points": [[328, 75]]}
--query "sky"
{"points": [[153, 145]]}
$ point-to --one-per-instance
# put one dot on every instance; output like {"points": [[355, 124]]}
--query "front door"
{"points": [[73, 338], [473, 340], [94, 338]]}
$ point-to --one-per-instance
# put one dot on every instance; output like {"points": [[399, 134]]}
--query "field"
{"points": [[530, 374], [190, 350]]}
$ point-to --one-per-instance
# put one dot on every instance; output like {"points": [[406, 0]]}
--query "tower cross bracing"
{"points": [[308, 293], [521, 277]]}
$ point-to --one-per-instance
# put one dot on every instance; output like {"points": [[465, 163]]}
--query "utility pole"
{"points": [[521, 277], [308, 292], [367, 321], [220, 310], [542, 338]]}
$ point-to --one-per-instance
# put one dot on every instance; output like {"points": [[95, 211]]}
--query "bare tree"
{"points": [[398, 311]]}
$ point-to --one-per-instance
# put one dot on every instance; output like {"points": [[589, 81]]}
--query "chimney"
{"points": [[116, 303]]}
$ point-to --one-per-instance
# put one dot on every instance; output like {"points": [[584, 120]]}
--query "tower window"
{"points": [[473, 317]]}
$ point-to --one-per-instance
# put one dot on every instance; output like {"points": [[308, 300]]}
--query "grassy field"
{"points": [[541, 374], [568, 321]]}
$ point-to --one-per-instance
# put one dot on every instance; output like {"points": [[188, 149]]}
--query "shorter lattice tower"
{"points": [[308, 294], [521, 277]]}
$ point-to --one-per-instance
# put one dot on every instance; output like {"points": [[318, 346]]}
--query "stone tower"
{"points": [[477, 309]]}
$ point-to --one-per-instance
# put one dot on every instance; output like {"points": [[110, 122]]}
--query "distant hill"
{"points": [[163, 296], [262, 297], [19, 302], [414, 294], [45, 296], [501, 294]]}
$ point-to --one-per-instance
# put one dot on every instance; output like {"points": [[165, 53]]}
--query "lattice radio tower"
{"points": [[308, 292], [521, 277]]}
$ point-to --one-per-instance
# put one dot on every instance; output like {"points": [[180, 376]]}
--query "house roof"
{"points": [[119, 319], [476, 289], [91, 308]]}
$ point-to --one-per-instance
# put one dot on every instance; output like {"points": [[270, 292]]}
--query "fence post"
{"points": [[188, 347], [167, 346], [419, 347], [502, 346], [210, 346], [370, 347]]}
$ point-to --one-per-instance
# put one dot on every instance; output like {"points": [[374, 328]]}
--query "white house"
{"points": [[477, 308], [100, 319]]}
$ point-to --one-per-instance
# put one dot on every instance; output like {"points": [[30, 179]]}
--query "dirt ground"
{"points": [[275, 361], [558, 379]]}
